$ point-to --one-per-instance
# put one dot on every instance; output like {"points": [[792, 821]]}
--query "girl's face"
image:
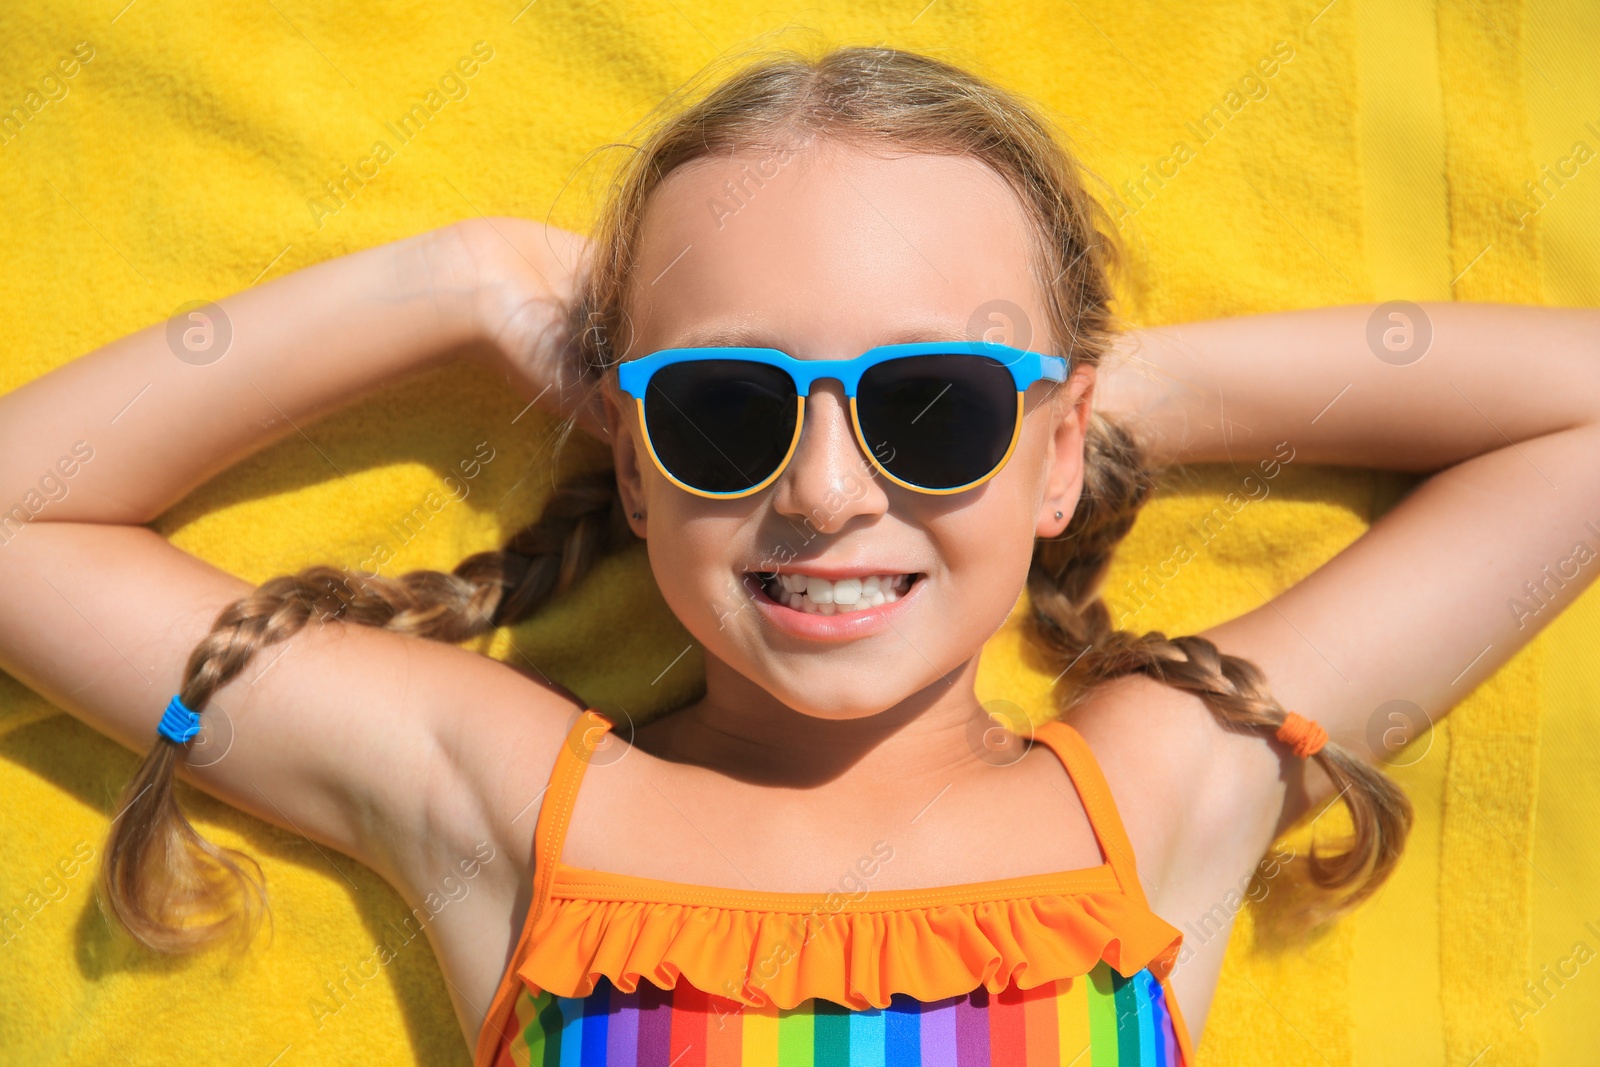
{"points": [[838, 251]]}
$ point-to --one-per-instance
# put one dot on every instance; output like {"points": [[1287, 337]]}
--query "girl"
{"points": [[845, 479]]}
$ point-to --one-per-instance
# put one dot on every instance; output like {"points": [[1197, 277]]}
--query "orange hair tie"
{"points": [[1304, 735]]}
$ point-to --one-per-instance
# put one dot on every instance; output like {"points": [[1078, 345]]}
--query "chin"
{"points": [[836, 711]]}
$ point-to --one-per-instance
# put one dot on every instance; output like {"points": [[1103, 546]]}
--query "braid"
{"points": [[174, 890], [1068, 619]]}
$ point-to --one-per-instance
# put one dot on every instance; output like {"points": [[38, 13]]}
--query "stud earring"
{"points": [[1058, 515], [639, 516]]}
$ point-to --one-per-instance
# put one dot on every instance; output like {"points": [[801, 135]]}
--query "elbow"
{"points": [[26, 495]]}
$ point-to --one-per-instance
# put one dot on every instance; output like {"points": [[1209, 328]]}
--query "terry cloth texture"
{"points": [[1264, 156]]}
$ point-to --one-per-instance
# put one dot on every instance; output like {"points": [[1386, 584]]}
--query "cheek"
{"points": [[988, 543], [692, 562], [986, 551]]}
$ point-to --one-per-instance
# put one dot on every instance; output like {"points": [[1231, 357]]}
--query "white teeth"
{"points": [[819, 596]]}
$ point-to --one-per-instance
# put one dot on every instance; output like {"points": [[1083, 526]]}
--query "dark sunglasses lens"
{"points": [[720, 425], [938, 421]]}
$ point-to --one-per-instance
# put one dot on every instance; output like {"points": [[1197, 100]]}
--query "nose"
{"points": [[829, 481]]}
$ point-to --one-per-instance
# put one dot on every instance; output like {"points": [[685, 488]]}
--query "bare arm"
{"points": [[1504, 407], [342, 733], [1476, 378]]}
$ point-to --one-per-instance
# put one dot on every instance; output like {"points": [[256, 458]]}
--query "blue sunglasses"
{"points": [[937, 417]]}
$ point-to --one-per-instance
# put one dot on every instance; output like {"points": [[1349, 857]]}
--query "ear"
{"points": [[1068, 407], [627, 456]]}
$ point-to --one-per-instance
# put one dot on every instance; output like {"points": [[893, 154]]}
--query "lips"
{"points": [[826, 622]]}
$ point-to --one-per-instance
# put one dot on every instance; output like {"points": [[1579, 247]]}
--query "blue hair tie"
{"points": [[179, 724]]}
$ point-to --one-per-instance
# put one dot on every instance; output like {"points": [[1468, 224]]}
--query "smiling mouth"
{"points": [[844, 596]]}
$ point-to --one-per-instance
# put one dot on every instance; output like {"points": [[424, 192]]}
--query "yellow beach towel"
{"points": [[1265, 156]]}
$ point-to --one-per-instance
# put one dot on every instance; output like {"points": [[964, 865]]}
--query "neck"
{"points": [[742, 731]]}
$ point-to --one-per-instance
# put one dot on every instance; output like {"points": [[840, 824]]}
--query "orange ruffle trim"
{"points": [[856, 955]]}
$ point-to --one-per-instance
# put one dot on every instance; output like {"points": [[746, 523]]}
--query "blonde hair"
{"points": [[159, 875]]}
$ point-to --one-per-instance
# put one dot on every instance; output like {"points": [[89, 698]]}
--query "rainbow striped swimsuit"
{"points": [[610, 968], [1116, 1020]]}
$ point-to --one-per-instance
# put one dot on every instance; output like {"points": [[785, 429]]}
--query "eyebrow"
{"points": [[746, 336]]}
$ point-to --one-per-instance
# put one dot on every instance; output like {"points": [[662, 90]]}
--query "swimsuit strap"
{"points": [[556, 809], [1074, 752]]}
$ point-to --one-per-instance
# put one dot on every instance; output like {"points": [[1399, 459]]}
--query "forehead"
{"points": [[827, 249]]}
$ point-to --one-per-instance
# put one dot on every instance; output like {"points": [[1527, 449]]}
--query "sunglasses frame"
{"points": [[1026, 367]]}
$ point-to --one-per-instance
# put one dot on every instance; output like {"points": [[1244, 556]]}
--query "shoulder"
{"points": [[1199, 801]]}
